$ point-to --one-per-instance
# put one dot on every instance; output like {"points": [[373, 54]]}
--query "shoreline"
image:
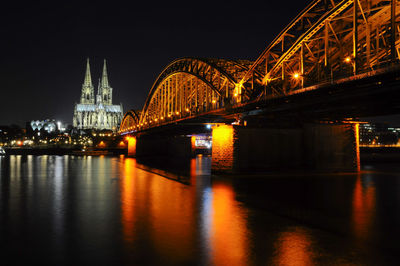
{"points": [[63, 151]]}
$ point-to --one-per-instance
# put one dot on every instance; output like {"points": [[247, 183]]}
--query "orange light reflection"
{"points": [[127, 199], [364, 198], [294, 248], [228, 229]]}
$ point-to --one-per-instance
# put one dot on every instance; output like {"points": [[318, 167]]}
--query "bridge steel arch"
{"points": [[192, 86], [328, 40], [129, 121]]}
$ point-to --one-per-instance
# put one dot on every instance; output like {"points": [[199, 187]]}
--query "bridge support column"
{"points": [[320, 147], [164, 146], [131, 146], [332, 147]]}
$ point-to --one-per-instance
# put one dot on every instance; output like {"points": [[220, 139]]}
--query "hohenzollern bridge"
{"points": [[298, 105]]}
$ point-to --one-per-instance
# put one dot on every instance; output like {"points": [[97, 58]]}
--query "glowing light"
{"points": [[162, 118], [156, 119], [347, 59], [235, 94], [169, 115], [296, 75], [193, 142], [222, 146], [357, 134], [208, 126], [214, 101], [132, 146], [187, 109]]}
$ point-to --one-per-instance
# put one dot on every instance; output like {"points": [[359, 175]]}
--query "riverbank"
{"points": [[367, 154], [379, 154], [63, 151]]}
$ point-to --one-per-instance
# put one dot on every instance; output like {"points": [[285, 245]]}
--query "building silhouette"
{"points": [[97, 113]]}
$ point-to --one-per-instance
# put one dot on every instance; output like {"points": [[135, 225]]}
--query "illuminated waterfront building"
{"points": [[97, 113], [378, 134]]}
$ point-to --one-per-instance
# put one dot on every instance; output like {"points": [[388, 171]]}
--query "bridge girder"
{"points": [[328, 40], [191, 86], [129, 121]]}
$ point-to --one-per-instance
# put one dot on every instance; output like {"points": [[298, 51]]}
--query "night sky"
{"points": [[45, 46]]}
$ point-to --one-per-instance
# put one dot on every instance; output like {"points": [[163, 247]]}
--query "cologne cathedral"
{"points": [[97, 113]]}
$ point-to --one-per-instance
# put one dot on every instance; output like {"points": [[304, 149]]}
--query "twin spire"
{"points": [[88, 77], [104, 92]]}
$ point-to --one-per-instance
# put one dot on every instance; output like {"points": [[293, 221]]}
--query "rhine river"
{"points": [[116, 211]]}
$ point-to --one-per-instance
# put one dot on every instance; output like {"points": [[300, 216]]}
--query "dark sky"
{"points": [[45, 45]]}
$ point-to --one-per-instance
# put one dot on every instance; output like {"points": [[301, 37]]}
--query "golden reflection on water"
{"points": [[364, 201], [294, 248], [127, 199], [229, 243], [172, 212], [193, 170], [165, 208]]}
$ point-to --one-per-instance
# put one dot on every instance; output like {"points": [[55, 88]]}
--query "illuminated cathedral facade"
{"points": [[97, 113]]}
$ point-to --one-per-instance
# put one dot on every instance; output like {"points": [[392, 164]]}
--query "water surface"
{"points": [[115, 210]]}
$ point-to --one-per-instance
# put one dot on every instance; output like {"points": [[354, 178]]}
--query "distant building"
{"points": [[378, 134], [97, 113], [48, 125]]}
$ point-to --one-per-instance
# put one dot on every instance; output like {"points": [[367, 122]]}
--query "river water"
{"points": [[117, 211]]}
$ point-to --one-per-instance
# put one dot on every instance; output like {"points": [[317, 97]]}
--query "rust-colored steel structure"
{"points": [[130, 120], [329, 40], [188, 87]]}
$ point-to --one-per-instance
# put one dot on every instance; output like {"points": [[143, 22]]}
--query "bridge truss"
{"points": [[130, 121], [329, 40], [188, 87]]}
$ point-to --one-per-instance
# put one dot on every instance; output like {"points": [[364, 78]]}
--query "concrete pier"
{"points": [[320, 147], [169, 146]]}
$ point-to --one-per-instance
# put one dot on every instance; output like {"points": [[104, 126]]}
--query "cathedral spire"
{"points": [[88, 77], [87, 96], [105, 90], [104, 77]]}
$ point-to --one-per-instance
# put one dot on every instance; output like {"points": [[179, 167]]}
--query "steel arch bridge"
{"points": [[130, 120], [329, 40], [188, 87]]}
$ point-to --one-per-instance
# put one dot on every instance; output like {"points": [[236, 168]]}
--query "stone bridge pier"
{"points": [[180, 146], [320, 147], [325, 147]]}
